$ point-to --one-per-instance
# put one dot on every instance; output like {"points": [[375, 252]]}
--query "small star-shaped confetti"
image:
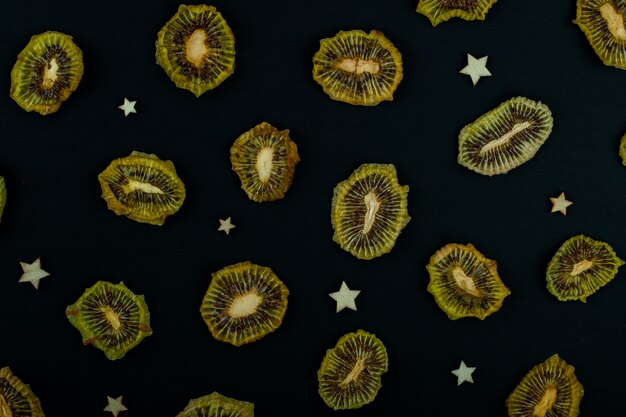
{"points": [[115, 405], [476, 68], [345, 297], [128, 107], [33, 273], [560, 204], [464, 373], [226, 226]]}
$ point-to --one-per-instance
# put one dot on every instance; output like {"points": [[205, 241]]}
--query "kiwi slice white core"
{"points": [[264, 164], [614, 21], [244, 305]]}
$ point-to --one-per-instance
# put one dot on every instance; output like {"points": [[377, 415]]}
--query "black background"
{"points": [[54, 210]]}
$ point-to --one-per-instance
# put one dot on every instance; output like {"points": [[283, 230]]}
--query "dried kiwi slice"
{"points": [[550, 389], [358, 68], [438, 11], [3, 195], [16, 398], [602, 22], [505, 137], [369, 210], [622, 149], [111, 317], [196, 48], [265, 160], [580, 267], [217, 405], [142, 187], [351, 372], [465, 283], [244, 303], [47, 71]]}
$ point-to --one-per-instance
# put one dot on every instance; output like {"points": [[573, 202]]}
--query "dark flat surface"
{"points": [[55, 211]]}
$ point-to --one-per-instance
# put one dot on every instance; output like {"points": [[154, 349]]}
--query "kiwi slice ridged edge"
{"points": [[207, 57], [244, 303], [46, 72], [505, 137], [142, 187], [549, 389], [17, 397], [369, 210], [264, 158], [217, 405], [358, 68], [350, 374], [111, 318], [439, 11]]}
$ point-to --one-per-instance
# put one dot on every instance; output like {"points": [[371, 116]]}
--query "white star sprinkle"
{"points": [[128, 107], [345, 297], [226, 226], [115, 405], [560, 204], [476, 68], [463, 374], [33, 273]]}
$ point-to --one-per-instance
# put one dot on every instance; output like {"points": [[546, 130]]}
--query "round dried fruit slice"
{"points": [[244, 303], [505, 137], [465, 283], [358, 68], [142, 187], [47, 71], [369, 210], [602, 22], [111, 317], [196, 48], [438, 11], [265, 160], [580, 267], [351, 372], [16, 398], [216, 405], [550, 389]]}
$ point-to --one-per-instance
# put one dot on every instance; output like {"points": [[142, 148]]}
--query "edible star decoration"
{"points": [[226, 226], [128, 107], [476, 68], [560, 204], [115, 405], [345, 297], [463, 374], [33, 273]]}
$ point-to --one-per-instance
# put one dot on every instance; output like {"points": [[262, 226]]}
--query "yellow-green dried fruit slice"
{"points": [[16, 398], [47, 71], [550, 389], [110, 317], [369, 210], [142, 187], [505, 137], [580, 267], [622, 149], [243, 303], [217, 405], [438, 11], [350, 374], [465, 283], [602, 22], [3, 195], [265, 160], [358, 67], [196, 48]]}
